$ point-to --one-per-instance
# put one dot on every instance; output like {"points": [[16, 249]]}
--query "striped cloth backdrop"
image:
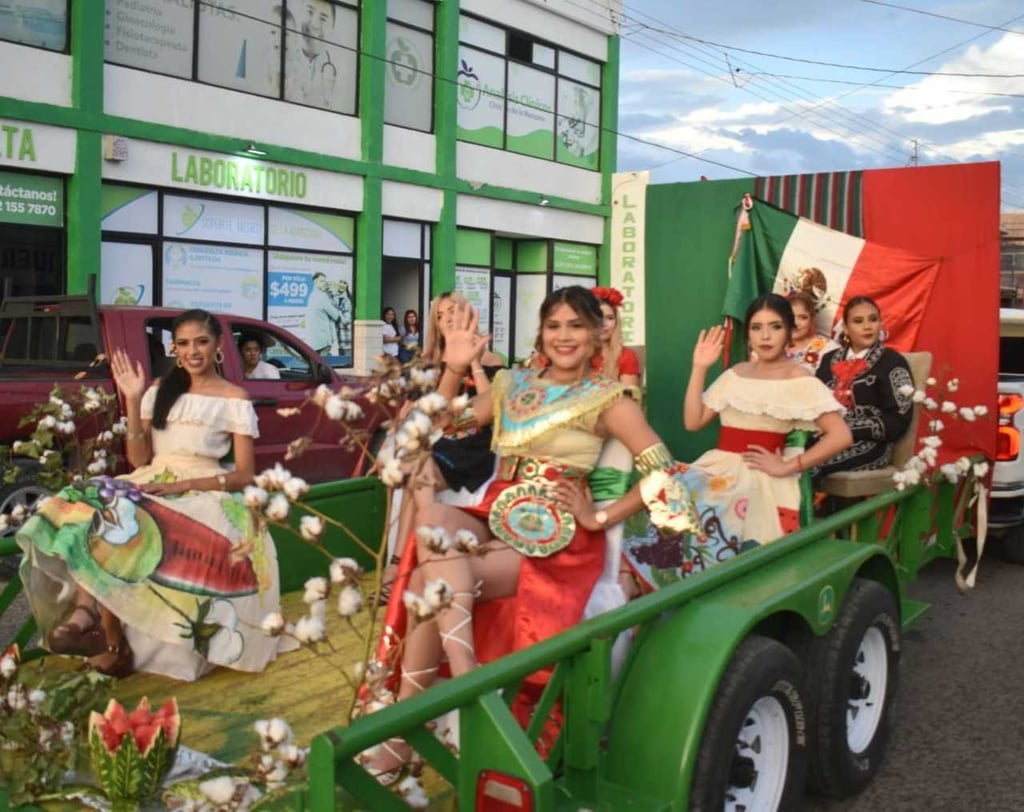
{"points": [[833, 199]]}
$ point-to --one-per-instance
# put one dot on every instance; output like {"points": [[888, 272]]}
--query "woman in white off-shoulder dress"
{"points": [[165, 569]]}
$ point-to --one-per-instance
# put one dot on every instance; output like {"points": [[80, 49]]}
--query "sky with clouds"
{"points": [[690, 82]]}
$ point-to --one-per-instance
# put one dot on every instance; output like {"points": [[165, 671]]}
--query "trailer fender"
{"points": [[672, 677]]}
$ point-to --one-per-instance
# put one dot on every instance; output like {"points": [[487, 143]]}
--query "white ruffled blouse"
{"points": [[770, 405], [200, 425]]}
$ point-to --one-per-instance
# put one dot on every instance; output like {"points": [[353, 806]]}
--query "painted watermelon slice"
{"points": [[198, 560]]}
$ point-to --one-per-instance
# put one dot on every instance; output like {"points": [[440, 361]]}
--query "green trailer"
{"points": [[768, 673]]}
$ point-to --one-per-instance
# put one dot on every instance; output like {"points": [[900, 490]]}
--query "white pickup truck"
{"points": [[1007, 507]]}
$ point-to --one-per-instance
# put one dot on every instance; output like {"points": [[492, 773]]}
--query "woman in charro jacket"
{"points": [[867, 378]]}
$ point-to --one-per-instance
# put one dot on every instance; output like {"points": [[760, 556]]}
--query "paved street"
{"points": [[960, 724]]}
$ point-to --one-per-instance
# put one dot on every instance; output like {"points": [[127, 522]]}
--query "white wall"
{"points": [[35, 74], [179, 103], [410, 149], [519, 219], [497, 167]]}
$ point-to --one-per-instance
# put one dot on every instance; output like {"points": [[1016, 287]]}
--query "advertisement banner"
{"points": [[579, 124], [312, 230], [31, 200], [409, 97], [241, 51], [629, 199], [530, 292], [560, 281], [126, 274], [321, 48], [475, 285], [531, 117], [310, 295], [218, 278], [501, 317], [215, 220], [152, 36], [481, 98], [41, 23], [574, 258]]}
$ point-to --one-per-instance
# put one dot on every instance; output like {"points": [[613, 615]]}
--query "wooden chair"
{"points": [[858, 484]]}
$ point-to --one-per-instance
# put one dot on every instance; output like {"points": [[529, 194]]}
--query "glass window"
{"points": [[196, 218], [579, 124], [481, 98], [419, 13], [292, 363], [321, 55], [576, 67], [477, 32], [531, 103], [41, 23], [409, 92], [156, 36], [241, 50]]}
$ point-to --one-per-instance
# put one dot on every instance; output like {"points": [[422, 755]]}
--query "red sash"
{"points": [[739, 440]]}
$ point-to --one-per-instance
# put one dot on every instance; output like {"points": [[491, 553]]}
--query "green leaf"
{"points": [[238, 514]]}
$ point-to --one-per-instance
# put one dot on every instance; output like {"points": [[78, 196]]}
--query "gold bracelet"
{"points": [[652, 459], [135, 435], [222, 481]]}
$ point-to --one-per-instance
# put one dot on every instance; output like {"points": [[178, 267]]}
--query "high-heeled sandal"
{"points": [[451, 636], [123, 664], [392, 775], [71, 638]]}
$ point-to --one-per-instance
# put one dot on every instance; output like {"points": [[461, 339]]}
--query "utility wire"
{"points": [[944, 17]]}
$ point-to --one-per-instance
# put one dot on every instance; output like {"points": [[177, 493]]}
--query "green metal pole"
{"points": [[369, 229], [83, 197], [446, 115], [609, 148]]}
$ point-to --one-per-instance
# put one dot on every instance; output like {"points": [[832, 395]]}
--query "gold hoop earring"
{"points": [[178, 362], [219, 356]]}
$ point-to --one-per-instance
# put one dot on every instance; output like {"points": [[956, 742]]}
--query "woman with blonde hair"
{"points": [[614, 360], [462, 460]]}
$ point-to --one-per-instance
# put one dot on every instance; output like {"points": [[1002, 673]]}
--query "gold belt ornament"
{"points": [[524, 516]]}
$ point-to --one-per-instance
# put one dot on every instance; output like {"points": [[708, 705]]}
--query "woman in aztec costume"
{"points": [[747, 490], [162, 570], [541, 535]]}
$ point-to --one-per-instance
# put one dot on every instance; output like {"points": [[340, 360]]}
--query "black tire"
{"points": [[1012, 543], [851, 670], [25, 490], [762, 695]]}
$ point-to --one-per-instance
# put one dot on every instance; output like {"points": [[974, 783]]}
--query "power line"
{"points": [[890, 71], [875, 84], [944, 17]]}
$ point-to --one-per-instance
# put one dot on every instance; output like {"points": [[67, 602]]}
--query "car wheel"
{"points": [[753, 753], [853, 675]]}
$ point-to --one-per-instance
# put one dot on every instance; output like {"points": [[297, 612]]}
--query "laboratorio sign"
{"points": [[237, 176]]}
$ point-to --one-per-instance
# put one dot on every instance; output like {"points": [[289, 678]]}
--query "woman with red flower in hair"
{"points": [[614, 360]]}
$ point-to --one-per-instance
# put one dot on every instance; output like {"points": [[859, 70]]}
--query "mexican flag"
{"points": [[781, 252]]}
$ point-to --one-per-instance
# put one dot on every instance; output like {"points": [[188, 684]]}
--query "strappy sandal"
{"points": [[123, 664], [392, 775], [71, 638]]}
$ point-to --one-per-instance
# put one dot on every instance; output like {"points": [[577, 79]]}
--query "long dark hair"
{"points": [[405, 320], [580, 299], [776, 304], [859, 300], [177, 382]]}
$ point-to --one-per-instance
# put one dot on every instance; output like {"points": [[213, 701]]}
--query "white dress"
{"points": [[191, 577], [739, 508]]}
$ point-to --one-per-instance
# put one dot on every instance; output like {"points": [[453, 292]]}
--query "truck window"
{"points": [[293, 363], [56, 338], [1011, 355]]}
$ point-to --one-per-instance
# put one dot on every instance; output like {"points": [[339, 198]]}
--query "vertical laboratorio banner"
{"points": [[629, 196]]}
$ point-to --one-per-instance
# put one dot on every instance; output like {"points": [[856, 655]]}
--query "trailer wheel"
{"points": [[753, 754], [25, 491], [854, 672]]}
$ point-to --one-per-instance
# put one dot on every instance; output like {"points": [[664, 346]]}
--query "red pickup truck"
{"points": [[52, 340]]}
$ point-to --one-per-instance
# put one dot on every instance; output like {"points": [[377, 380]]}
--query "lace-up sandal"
{"points": [[121, 665], [74, 639]]}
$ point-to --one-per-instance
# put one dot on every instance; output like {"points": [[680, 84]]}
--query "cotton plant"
{"points": [[74, 435], [939, 407], [412, 414]]}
